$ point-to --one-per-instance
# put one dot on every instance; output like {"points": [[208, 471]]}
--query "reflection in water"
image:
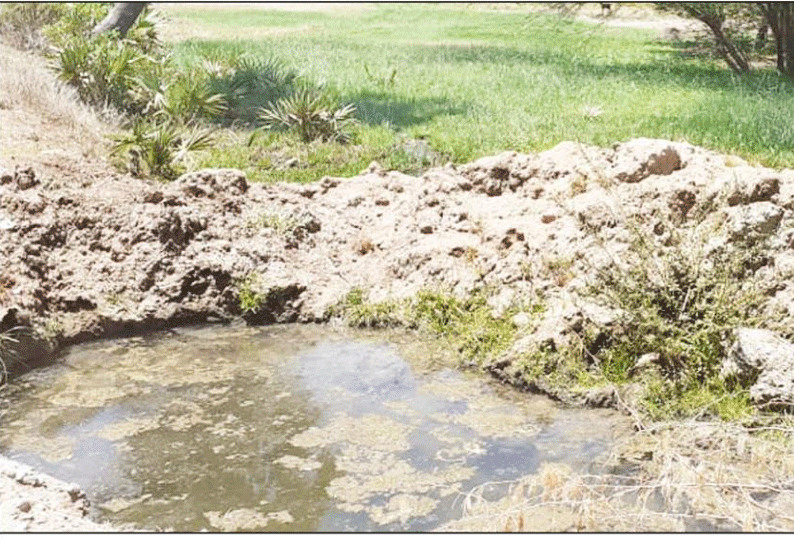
{"points": [[294, 428]]}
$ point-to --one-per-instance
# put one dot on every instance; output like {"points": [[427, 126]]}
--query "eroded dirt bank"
{"points": [[124, 255]]}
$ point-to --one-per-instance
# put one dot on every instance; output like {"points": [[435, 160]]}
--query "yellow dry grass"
{"points": [[44, 123], [669, 477]]}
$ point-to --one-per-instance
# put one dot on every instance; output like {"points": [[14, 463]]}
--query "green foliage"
{"points": [[102, 69], [249, 297], [680, 302], [75, 20], [666, 400], [467, 324], [159, 150], [312, 114], [246, 82], [183, 96]]}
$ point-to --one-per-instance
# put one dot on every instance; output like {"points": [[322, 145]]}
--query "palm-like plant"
{"points": [[313, 114], [160, 150]]}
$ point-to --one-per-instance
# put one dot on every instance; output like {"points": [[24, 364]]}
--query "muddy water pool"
{"points": [[284, 428]]}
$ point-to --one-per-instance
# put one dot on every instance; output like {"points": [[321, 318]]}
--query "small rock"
{"points": [[25, 178], [638, 159], [762, 360], [753, 221], [521, 319]]}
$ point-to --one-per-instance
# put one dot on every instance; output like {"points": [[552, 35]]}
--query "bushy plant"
{"points": [[105, 69], [102, 69], [681, 303], [168, 95], [158, 149], [313, 114], [246, 83]]}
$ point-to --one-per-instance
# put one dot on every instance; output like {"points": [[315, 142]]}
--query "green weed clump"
{"points": [[158, 149], [467, 324], [249, 298], [312, 114], [680, 305]]}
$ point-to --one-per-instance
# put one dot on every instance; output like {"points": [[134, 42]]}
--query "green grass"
{"points": [[474, 82]]}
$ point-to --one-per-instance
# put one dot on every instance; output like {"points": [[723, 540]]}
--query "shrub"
{"points": [[102, 69], [681, 303], [160, 150], [246, 83], [312, 114]]}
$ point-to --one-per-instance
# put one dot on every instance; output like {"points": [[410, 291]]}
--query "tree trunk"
{"points": [[780, 17], [121, 17], [730, 53]]}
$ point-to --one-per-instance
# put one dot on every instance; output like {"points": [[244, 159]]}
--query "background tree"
{"points": [[780, 18], [722, 19], [731, 25]]}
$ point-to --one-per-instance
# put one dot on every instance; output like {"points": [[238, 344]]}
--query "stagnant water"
{"points": [[283, 428]]}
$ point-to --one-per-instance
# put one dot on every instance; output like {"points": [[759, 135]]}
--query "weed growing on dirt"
{"points": [[467, 324], [250, 299], [680, 303], [159, 150], [357, 311]]}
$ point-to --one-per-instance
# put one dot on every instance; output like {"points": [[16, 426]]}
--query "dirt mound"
{"points": [[124, 255]]}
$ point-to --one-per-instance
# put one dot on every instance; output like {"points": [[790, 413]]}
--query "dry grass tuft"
{"points": [[28, 86], [669, 477]]}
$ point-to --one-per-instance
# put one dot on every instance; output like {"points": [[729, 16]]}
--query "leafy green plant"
{"points": [[312, 114], [168, 95], [101, 69], [158, 149], [246, 83], [250, 299], [104, 69], [467, 324], [359, 312], [681, 304]]}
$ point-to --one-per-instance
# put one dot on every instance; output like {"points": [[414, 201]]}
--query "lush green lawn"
{"points": [[473, 82]]}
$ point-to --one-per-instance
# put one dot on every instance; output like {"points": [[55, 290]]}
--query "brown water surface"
{"points": [[284, 428]]}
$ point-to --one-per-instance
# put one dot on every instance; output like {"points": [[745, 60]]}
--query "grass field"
{"points": [[472, 81]]}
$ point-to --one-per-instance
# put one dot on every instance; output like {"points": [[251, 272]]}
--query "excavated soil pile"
{"points": [[126, 255]]}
